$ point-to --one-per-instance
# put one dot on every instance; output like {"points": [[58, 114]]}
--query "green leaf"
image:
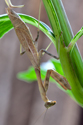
{"points": [[30, 76], [68, 63], [6, 25], [72, 63], [57, 66]]}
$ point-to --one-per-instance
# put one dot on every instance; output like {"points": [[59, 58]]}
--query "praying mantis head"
{"points": [[49, 103]]}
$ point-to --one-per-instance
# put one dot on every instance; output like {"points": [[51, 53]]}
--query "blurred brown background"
{"points": [[20, 102]]}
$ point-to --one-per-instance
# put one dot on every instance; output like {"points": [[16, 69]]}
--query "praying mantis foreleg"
{"points": [[59, 78], [56, 76], [26, 40]]}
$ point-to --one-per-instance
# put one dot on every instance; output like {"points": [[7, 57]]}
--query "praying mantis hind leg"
{"points": [[36, 39], [8, 2]]}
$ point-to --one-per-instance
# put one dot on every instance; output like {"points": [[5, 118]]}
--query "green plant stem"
{"points": [[68, 35], [61, 36], [70, 61]]}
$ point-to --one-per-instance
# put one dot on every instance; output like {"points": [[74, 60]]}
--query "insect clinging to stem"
{"points": [[24, 35]]}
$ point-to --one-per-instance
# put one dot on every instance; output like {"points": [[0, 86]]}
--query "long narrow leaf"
{"points": [[6, 25]]}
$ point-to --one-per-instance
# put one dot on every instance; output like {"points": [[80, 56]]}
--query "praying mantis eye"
{"points": [[49, 103]]}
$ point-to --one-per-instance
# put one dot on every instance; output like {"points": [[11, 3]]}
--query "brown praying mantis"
{"points": [[26, 40]]}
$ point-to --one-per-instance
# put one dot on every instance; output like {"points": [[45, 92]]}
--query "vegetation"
{"points": [[70, 64]]}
